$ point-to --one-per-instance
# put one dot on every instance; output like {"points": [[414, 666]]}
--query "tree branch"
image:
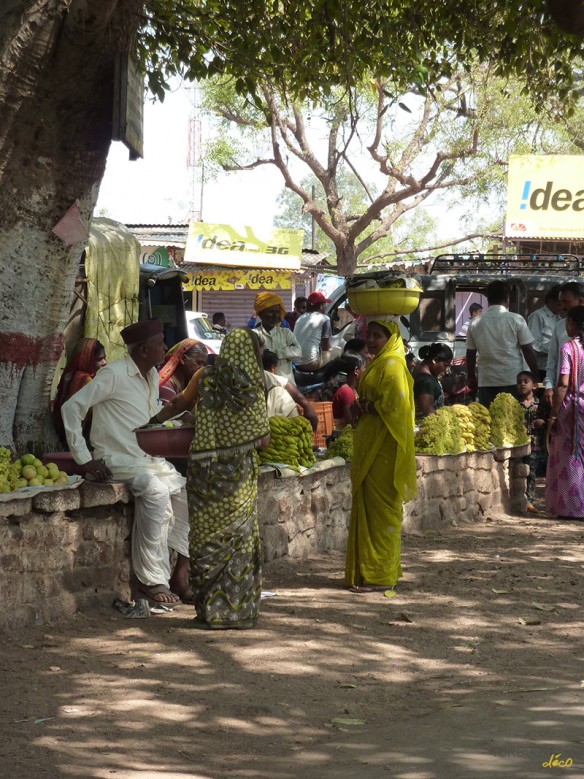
{"points": [[249, 166], [430, 249]]}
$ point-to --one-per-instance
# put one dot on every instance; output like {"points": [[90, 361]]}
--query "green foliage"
{"points": [[375, 155], [309, 48]]}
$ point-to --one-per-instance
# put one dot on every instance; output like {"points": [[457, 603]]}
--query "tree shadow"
{"points": [[442, 680]]}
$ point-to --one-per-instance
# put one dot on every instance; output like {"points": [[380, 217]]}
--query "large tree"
{"points": [[395, 151], [56, 88]]}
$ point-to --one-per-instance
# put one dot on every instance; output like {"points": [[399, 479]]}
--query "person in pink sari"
{"points": [[564, 490]]}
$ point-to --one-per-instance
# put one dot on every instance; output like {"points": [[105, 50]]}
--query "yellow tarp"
{"points": [[112, 266]]}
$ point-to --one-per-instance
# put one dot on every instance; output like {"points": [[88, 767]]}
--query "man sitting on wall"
{"points": [[281, 341], [124, 396]]}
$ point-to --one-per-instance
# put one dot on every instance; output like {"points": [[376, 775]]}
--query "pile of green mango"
{"points": [[290, 443]]}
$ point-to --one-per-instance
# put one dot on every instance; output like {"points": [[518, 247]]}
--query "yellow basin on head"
{"points": [[392, 300]]}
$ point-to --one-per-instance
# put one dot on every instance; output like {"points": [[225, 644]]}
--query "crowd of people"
{"points": [[206, 523]]}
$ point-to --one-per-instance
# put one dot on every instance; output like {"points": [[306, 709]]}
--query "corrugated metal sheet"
{"points": [[237, 305]]}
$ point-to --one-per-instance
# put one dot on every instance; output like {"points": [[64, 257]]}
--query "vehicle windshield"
{"points": [[201, 328]]}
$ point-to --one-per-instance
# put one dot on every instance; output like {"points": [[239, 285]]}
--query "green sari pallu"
{"points": [[225, 549], [383, 470]]}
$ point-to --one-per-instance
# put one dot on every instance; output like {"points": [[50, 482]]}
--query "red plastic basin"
{"points": [[165, 441]]}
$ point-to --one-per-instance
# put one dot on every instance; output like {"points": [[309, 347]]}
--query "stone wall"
{"points": [[69, 549], [305, 515], [465, 487], [63, 550]]}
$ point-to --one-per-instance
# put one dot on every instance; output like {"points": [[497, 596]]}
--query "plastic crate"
{"points": [[324, 412]]}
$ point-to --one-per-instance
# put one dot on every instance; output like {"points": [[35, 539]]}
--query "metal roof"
{"points": [[161, 235]]}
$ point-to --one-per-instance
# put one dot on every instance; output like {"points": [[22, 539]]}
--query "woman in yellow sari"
{"points": [[383, 471]]}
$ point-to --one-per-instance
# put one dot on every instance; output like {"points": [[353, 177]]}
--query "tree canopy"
{"points": [[308, 48], [374, 158]]}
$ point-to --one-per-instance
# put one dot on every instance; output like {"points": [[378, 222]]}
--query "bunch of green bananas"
{"points": [[290, 443], [482, 426]]}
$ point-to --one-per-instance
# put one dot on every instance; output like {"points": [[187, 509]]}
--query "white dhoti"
{"points": [[161, 518]]}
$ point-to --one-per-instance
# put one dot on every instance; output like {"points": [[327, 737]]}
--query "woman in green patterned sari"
{"points": [[232, 423]]}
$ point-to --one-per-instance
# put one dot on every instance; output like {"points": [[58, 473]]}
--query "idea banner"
{"points": [[545, 196], [219, 244]]}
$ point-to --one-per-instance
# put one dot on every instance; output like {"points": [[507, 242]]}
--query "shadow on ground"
{"points": [[473, 670]]}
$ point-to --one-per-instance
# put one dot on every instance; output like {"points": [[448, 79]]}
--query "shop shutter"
{"points": [[237, 305]]}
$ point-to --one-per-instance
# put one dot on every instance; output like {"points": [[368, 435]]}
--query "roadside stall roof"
{"points": [[160, 235]]}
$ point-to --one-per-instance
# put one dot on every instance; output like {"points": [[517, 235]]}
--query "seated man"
{"points": [[313, 331], [122, 396]]}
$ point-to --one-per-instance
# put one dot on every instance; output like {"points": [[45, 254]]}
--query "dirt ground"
{"points": [[473, 670]]}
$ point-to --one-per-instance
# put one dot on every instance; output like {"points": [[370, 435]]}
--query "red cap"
{"points": [[317, 297]]}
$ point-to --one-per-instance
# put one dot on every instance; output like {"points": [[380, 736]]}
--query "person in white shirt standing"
{"points": [[542, 323], [502, 340], [123, 396], [313, 331], [571, 294]]}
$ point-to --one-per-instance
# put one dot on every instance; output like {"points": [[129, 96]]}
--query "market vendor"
{"points": [[428, 392], [123, 396], [281, 341]]}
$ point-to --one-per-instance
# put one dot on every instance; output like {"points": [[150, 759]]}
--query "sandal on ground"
{"points": [[365, 588], [531, 508], [151, 591], [243, 624]]}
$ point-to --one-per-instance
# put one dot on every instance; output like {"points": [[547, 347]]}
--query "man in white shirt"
{"points": [[313, 331], [571, 294], [542, 323], [281, 341], [124, 396], [502, 340]]}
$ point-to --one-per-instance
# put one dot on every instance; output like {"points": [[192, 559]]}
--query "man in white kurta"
{"points": [[122, 398], [281, 341]]}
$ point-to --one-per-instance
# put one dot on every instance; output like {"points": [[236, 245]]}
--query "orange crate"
{"points": [[324, 412]]}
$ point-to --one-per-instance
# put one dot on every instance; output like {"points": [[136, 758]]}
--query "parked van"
{"points": [[453, 282]]}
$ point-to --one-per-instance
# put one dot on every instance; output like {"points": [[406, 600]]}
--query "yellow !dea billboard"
{"points": [[218, 244], [545, 196]]}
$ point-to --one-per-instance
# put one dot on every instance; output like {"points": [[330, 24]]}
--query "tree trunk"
{"points": [[346, 258], [57, 62]]}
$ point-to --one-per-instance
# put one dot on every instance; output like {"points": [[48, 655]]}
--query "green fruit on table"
{"points": [[27, 459], [42, 471], [36, 482], [29, 472]]}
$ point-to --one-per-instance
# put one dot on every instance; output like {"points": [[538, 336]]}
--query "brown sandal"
{"points": [[151, 591]]}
